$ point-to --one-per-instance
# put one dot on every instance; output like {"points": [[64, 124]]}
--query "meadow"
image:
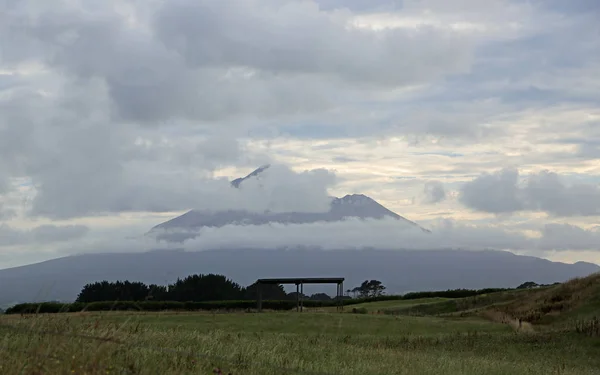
{"points": [[386, 337]]}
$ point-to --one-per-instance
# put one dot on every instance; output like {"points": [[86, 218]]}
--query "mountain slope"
{"points": [[400, 270], [184, 227]]}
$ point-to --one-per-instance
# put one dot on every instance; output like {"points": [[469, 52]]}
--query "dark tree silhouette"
{"points": [[157, 293], [370, 288], [198, 288], [211, 287], [268, 291], [294, 295], [116, 291], [528, 285], [320, 297]]}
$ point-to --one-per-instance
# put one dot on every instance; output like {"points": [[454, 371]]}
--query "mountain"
{"points": [[187, 225], [400, 270], [236, 183]]}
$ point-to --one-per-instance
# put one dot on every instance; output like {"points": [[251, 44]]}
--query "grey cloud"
{"points": [[294, 37], [502, 192], [82, 165], [145, 81], [547, 192], [45, 234], [589, 150], [434, 192], [140, 187], [575, 6], [74, 127], [361, 6], [349, 234], [4, 185], [246, 58], [388, 234], [6, 213], [569, 237], [496, 193], [52, 233], [344, 159]]}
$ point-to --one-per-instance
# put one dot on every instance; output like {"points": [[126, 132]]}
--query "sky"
{"points": [[479, 120]]}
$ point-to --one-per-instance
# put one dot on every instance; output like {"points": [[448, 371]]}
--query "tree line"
{"points": [[202, 288], [214, 287], [125, 295]]}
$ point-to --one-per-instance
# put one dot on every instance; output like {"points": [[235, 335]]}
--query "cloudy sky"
{"points": [[477, 119]]}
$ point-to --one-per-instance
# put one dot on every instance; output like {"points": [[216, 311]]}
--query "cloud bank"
{"points": [[504, 192], [118, 109]]}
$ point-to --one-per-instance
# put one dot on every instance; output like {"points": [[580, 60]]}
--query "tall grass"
{"points": [[281, 343]]}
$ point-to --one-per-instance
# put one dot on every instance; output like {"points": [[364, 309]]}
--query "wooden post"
{"points": [[298, 297], [301, 297]]}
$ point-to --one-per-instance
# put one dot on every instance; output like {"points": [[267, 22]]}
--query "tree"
{"points": [[320, 297], [113, 291], [528, 285], [268, 292], [192, 288], [370, 288], [211, 287], [157, 293], [293, 296]]}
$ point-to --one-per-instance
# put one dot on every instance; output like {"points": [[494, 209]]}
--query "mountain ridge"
{"points": [[401, 270], [186, 226]]}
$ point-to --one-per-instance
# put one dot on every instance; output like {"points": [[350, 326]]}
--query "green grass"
{"points": [[467, 336], [284, 343], [392, 305]]}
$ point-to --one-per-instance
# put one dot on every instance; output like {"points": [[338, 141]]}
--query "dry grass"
{"points": [[503, 318], [282, 343], [549, 304]]}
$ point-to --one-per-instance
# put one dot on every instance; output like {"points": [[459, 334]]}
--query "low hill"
{"points": [[401, 271], [577, 300]]}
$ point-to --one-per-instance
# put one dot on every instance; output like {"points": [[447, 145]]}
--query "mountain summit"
{"points": [[187, 225]]}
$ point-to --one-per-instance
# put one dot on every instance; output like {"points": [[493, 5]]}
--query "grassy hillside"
{"points": [[571, 305], [576, 298]]}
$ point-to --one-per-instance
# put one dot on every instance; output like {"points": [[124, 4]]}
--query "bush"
{"points": [[279, 305], [57, 307]]}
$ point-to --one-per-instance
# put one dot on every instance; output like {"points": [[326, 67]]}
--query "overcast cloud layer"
{"points": [[118, 115]]}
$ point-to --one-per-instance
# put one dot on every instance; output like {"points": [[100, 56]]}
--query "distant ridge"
{"points": [[359, 206], [400, 270]]}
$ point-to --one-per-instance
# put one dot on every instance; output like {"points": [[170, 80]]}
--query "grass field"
{"points": [[308, 342], [392, 305]]}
